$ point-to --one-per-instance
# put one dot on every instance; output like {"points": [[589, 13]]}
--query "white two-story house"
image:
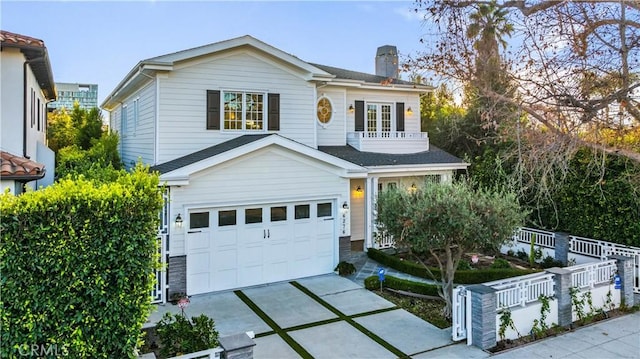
{"points": [[26, 85], [272, 163]]}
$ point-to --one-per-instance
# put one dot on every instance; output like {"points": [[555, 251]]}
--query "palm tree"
{"points": [[488, 28]]}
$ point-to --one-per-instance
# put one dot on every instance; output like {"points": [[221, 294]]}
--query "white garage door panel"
{"points": [[234, 256]]}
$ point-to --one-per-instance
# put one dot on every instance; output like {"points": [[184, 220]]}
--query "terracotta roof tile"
{"points": [[19, 40], [19, 168]]}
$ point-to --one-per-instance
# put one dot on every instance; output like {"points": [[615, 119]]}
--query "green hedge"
{"points": [[373, 282], [461, 276], [77, 260]]}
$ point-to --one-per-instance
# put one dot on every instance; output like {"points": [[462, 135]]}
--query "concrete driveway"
{"points": [[322, 317]]}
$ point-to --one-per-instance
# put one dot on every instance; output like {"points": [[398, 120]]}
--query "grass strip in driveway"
{"points": [[276, 328], [349, 320]]}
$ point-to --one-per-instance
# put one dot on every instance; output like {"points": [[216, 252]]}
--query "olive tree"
{"points": [[444, 221]]}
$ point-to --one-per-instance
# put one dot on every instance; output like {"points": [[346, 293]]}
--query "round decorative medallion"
{"points": [[325, 110]]}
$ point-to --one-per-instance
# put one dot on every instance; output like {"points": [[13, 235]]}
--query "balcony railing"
{"points": [[389, 142]]}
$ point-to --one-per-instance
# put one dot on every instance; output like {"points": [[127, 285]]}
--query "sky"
{"points": [[99, 42]]}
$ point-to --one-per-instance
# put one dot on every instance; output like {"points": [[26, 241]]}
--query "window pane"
{"points": [[198, 220], [386, 118], [253, 215], [324, 209], [227, 218], [254, 115], [372, 118], [278, 214], [233, 110], [302, 211]]}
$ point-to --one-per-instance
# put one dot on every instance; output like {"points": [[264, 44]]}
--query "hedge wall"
{"points": [[77, 261], [596, 205], [461, 276], [392, 282]]}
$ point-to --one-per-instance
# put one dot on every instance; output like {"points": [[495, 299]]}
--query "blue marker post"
{"points": [[617, 282], [381, 273]]}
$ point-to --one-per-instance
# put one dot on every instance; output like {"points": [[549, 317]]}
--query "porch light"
{"points": [[409, 111], [345, 205], [359, 189], [351, 109], [178, 221]]}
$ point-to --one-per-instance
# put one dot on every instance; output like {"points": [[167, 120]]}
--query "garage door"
{"points": [[242, 246]]}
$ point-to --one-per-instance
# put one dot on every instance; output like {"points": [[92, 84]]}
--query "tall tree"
{"points": [[444, 221], [574, 68]]}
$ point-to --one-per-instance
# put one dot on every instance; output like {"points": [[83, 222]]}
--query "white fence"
{"points": [[520, 295], [542, 238], [591, 274], [519, 291], [384, 240]]}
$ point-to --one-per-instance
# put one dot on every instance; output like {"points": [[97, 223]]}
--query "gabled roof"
{"points": [[166, 62], [177, 171], [206, 153], [433, 157], [18, 168], [36, 53], [343, 74], [315, 72]]}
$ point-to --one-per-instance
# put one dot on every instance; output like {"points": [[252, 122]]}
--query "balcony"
{"points": [[389, 142]]}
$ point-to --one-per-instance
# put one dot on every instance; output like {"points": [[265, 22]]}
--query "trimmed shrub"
{"points": [[178, 335], [461, 276], [77, 260], [500, 263], [373, 282], [345, 268], [550, 262], [464, 265]]}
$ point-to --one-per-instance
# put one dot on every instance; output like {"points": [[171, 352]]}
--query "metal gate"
{"points": [[461, 314], [159, 286]]}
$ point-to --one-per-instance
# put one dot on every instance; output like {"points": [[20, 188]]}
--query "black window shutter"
{"points": [[213, 110], [274, 112], [359, 116], [400, 116]]}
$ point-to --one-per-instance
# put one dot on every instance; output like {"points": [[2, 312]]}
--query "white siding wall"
{"points": [[12, 106], [357, 210], [138, 140], [410, 99], [268, 175], [333, 133], [183, 100]]}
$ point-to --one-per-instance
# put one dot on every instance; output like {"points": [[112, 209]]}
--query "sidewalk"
{"points": [[614, 338]]}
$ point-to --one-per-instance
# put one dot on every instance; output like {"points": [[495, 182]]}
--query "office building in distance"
{"points": [[68, 93]]}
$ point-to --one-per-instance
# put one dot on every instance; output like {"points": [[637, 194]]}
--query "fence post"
{"points": [[562, 281], [484, 309], [562, 247], [626, 272], [238, 346]]}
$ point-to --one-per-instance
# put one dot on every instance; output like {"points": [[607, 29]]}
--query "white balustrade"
{"points": [[592, 274], [542, 238], [521, 290]]}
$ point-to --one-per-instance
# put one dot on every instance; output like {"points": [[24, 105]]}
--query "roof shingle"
{"points": [[206, 153], [372, 159]]}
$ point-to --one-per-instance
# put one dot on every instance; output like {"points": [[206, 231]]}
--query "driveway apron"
{"points": [[319, 317]]}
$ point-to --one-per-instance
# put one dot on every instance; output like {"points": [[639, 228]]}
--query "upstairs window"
{"points": [[242, 111]]}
